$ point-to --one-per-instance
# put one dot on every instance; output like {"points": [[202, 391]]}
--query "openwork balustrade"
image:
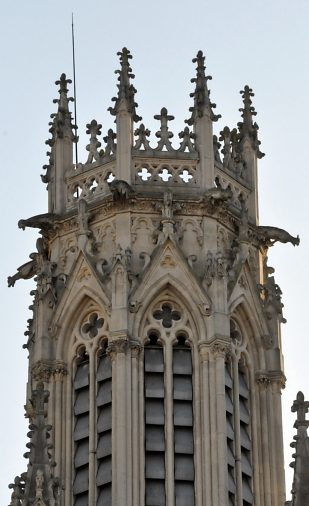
{"points": [[91, 184], [166, 172]]}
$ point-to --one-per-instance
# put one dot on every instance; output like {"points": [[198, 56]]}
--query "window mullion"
{"points": [[245, 442], [183, 424], [230, 434], [92, 425], [169, 424], [155, 444], [237, 432], [81, 432], [104, 428]]}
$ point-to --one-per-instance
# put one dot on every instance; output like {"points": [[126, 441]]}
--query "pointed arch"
{"points": [[168, 286], [69, 318]]}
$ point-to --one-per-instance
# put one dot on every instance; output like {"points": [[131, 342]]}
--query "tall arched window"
{"points": [[183, 422], [92, 424], [168, 401], [81, 430], [238, 423], [154, 423], [104, 428]]}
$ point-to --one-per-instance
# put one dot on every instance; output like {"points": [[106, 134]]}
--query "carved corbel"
{"points": [[221, 349], [44, 370], [134, 306], [135, 348], [205, 309], [216, 196], [262, 379], [121, 190], [275, 378], [119, 345]]}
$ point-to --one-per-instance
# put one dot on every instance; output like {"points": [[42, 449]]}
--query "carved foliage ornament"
{"points": [[43, 370], [221, 349]]}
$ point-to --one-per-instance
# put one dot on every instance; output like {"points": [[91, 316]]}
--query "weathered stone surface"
{"points": [[154, 246]]}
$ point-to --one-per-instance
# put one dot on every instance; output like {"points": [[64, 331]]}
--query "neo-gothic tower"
{"points": [[155, 365]]}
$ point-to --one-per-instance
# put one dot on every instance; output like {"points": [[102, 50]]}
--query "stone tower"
{"points": [[155, 364]]}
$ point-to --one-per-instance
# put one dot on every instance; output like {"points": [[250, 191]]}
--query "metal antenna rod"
{"points": [[74, 86]]}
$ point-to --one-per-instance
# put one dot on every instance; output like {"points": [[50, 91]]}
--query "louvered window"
{"points": [[245, 439], [104, 430], [157, 396], [154, 424], [239, 444], [92, 397], [230, 434], [81, 432], [183, 424]]}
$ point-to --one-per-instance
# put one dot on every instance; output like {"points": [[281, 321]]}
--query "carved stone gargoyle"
{"points": [[214, 198], [43, 221], [121, 190], [25, 271], [38, 265], [269, 235], [218, 195]]}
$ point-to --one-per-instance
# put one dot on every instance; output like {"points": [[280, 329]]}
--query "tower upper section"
{"points": [[200, 161], [156, 318]]}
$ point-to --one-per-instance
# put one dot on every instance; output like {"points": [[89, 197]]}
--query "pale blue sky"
{"points": [[263, 44]]}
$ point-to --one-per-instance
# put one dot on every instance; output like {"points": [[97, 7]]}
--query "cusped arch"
{"points": [[70, 319], [170, 288]]}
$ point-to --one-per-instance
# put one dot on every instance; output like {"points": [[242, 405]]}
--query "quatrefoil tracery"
{"points": [[167, 315], [93, 325]]}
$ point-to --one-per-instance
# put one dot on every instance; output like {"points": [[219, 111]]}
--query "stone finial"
{"points": [[126, 90], [300, 464], [94, 129], [142, 133], [301, 408], [202, 104], [61, 123], [111, 146], [63, 101], [246, 127], [187, 140], [225, 137], [164, 134], [231, 151]]}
